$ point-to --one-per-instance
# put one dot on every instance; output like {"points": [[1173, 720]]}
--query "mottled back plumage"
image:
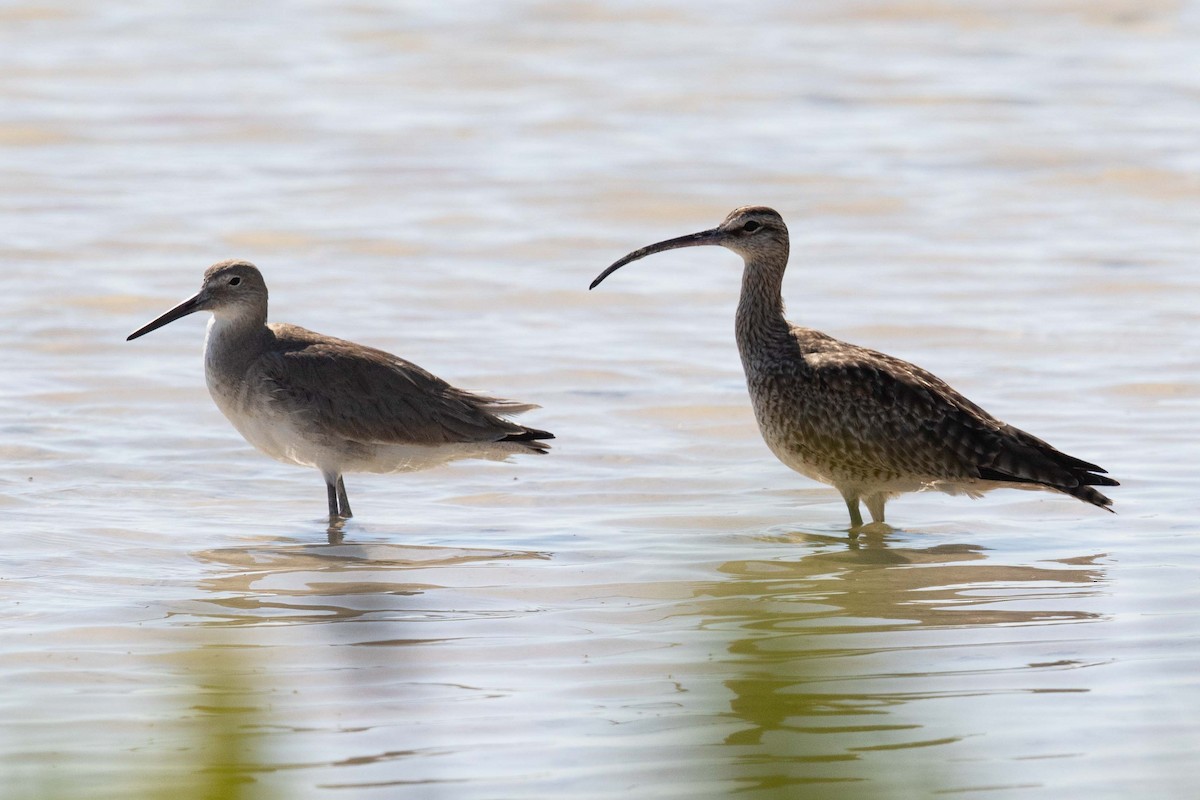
{"points": [[869, 424]]}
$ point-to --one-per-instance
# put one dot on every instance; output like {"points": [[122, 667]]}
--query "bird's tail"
{"points": [[1031, 460], [531, 438], [508, 408], [1087, 477]]}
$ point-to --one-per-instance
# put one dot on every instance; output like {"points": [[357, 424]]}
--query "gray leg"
{"points": [[852, 507], [332, 490], [875, 506], [343, 500]]}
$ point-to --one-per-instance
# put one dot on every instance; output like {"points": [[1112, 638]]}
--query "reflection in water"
{"points": [[359, 601], [829, 666], [323, 583], [940, 585], [829, 651]]}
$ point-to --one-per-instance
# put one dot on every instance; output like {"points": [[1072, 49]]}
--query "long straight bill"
{"points": [[189, 306]]}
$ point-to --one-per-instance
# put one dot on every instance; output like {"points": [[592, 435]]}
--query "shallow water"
{"points": [[1006, 194]]}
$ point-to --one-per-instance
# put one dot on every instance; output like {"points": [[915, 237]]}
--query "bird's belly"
{"points": [[388, 458], [823, 463], [826, 468], [283, 437], [264, 425], [277, 436], [830, 457], [809, 462], [798, 461], [786, 438]]}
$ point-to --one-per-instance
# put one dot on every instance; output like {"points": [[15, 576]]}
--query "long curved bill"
{"points": [[712, 236], [189, 306]]}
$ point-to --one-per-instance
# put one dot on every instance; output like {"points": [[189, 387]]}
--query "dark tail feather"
{"points": [[1086, 477], [531, 438], [1072, 463], [1080, 489], [1089, 495], [1023, 458]]}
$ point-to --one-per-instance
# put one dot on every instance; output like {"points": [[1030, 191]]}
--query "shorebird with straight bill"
{"points": [[870, 425], [334, 405]]}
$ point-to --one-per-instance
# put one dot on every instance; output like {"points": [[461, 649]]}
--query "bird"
{"points": [[871, 425], [316, 401]]}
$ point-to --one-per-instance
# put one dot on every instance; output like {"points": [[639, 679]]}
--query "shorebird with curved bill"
{"points": [[322, 402], [870, 425]]}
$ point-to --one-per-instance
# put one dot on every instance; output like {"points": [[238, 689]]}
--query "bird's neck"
{"points": [[760, 316], [232, 343]]}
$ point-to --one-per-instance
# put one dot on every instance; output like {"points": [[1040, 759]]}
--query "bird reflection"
{"points": [[282, 582], [945, 584], [829, 652]]}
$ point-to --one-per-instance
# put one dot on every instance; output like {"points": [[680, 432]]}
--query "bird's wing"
{"points": [[880, 413], [367, 395]]}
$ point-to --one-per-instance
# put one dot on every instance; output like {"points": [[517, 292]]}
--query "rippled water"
{"points": [[1007, 194]]}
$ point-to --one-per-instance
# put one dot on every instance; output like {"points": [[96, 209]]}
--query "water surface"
{"points": [[1006, 195]]}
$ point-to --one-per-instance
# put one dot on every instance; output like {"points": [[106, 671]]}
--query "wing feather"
{"points": [[880, 415], [367, 395]]}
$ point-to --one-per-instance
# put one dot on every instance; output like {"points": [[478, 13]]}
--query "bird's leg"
{"points": [[852, 506], [339, 504], [343, 500], [331, 490], [875, 506]]}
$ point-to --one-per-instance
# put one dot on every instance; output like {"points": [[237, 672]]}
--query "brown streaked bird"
{"points": [[870, 425], [322, 402]]}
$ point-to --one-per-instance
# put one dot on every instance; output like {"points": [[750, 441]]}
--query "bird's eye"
{"points": [[751, 226], [235, 280]]}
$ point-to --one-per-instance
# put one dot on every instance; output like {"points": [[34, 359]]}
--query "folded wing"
{"points": [[367, 395], [882, 415]]}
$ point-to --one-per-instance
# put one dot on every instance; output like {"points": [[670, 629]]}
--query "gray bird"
{"points": [[870, 425], [322, 402]]}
